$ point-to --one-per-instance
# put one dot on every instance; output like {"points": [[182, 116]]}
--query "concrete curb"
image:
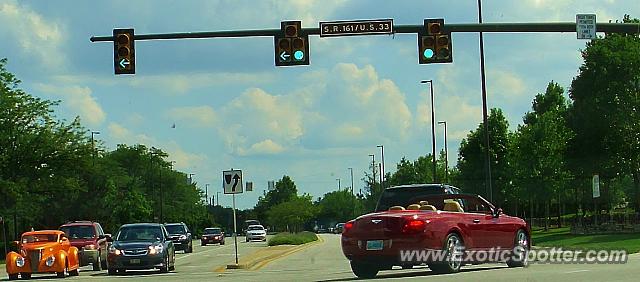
{"points": [[260, 261]]}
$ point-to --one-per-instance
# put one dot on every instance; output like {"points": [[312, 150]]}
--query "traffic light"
{"points": [[291, 45], [124, 52], [434, 45]]}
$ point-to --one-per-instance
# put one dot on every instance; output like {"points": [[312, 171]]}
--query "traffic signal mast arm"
{"points": [[471, 27]]}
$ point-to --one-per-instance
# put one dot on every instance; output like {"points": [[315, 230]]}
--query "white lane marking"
{"points": [[577, 271]]}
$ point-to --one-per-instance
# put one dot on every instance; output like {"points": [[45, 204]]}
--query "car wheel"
{"points": [[122, 271], [165, 267], [222, 243], [247, 239], [203, 244], [13, 276], [190, 248], [104, 263], [74, 273], [364, 270], [520, 254], [24, 275], [63, 274], [97, 264], [454, 248], [111, 271]]}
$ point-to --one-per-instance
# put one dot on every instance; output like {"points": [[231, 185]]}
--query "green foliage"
{"points": [[51, 172], [293, 214], [337, 206], [286, 238], [561, 237], [471, 159]]}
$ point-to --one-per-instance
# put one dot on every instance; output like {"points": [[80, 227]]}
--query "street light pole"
{"points": [[352, 193], [487, 159], [373, 167], [206, 193], [382, 170], [433, 129], [93, 147], [338, 183], [446, 153], [217, 198]]}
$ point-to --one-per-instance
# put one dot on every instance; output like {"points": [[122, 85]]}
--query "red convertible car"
{"points": [[443, 230]]}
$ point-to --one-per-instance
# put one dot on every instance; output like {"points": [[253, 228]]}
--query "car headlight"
{"points": [[114, 250], [183, 237], [20, 262], [50, 260], [157, 249]]}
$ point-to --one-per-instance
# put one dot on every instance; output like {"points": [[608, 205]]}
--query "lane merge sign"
{"points": [[232, 181]]}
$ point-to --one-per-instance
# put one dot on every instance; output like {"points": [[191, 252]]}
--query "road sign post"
{"points": [[232, 184]]}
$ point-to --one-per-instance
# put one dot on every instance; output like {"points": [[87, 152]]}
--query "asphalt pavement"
{"points": [[324, 261]]}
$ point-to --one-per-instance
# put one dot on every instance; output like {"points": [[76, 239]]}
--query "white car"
{"points": [[256, 232]]}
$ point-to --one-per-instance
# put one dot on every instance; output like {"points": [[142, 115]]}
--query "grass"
{"points": [[292, 238], [560, 237]]}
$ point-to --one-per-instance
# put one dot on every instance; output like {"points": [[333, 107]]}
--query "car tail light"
{"points": [[413, 226], [347, 226]]}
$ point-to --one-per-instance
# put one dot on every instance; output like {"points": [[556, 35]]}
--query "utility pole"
{"points": [[382, 170], [446, 153], [373, 167], [433, 129], [485, 119], [352, 192], [206, 193], [93, 148], [338, 183]]}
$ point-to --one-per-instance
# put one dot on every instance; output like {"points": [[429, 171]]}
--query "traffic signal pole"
{"points": [[468, 27]]}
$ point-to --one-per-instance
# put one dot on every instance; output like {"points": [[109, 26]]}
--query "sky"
{"points": [[232, 108]]}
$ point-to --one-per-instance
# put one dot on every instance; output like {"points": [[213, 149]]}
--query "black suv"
{"points": [[181, 236]]}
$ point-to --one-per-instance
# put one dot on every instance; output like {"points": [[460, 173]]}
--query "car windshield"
{"points": [[175, 229], [212, 231], [405, 196], [139, 233], [254, 227], [39, 238], [79, 232]]}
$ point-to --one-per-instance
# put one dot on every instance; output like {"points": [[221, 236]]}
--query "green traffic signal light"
{"points": [[428, 53]]}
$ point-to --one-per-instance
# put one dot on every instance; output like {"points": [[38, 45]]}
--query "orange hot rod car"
{"points": [[45, 251]]}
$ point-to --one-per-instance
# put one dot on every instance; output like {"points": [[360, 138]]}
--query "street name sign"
{"points": [[359, 27]]}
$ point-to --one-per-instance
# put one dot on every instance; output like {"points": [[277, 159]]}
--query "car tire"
{"points": [[165, 267], [452, 243], [203, 244], [13, 276], [111, 271], [122, 270], [222, 243], [364, 270], [97, 264], [104, 264], [24, 275], [190, 248], [64, 272], [74, 273], [521, 241]]}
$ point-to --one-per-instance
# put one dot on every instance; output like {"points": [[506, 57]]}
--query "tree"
{"points": [[337, 206], [471, 159], [285, 189], [538, 151], [293, 214], [606, 109]]}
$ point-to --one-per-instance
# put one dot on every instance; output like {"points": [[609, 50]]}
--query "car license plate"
{"points": [[375, 245], [134, 261]]}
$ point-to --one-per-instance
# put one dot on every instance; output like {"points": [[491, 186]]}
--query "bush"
{"points": [[292, 238]]}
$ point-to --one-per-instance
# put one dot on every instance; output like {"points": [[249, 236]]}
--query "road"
{"points": [[325, 262]]}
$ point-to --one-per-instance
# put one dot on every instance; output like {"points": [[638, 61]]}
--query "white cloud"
{"points": [[78, 100], [199, 116], [506, 84], [36, 36], [180, 84], [265, 147]]}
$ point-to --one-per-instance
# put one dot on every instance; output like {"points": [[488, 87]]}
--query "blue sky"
{"points": [[234, 109]]}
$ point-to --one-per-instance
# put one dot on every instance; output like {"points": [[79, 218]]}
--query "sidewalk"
{"points": [[262, 257]]}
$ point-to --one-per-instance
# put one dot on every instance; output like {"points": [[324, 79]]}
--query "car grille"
{"points": [[135, 252], [34, 259]]}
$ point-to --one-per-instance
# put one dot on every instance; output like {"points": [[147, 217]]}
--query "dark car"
{"points": [[181, 236], [90, 240], [141, 246], [212, 236], [338, 228]]}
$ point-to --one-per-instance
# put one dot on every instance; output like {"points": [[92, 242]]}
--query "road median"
{"points": [[262, 257]]}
